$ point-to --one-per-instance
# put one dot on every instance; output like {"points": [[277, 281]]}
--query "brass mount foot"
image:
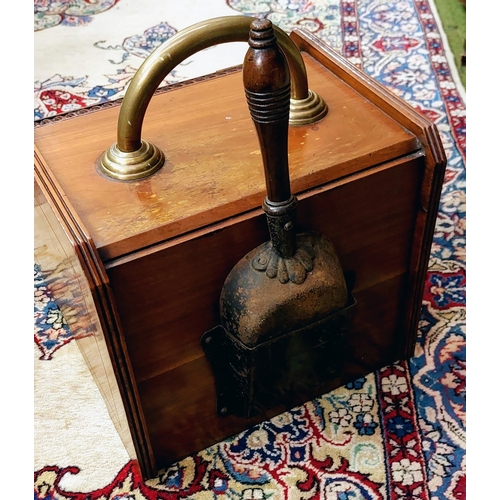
{"points": [[133, 165], [309, 110]]}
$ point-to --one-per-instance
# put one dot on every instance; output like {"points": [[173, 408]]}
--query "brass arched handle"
{"points": [[131, 157]]}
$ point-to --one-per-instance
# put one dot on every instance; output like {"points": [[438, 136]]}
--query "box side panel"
{"points": [[68, 284]]}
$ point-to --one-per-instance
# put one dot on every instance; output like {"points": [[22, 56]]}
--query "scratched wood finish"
{"points": [[213, 169], [156, 252]]}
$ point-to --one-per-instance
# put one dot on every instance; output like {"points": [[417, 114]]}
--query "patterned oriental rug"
{"points": [[399, 433]]}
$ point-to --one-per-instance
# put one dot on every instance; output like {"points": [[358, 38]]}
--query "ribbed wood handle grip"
{"points": [[266, 79]]}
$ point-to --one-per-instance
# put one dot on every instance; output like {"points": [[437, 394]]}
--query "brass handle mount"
{"points": [[133, 158]]}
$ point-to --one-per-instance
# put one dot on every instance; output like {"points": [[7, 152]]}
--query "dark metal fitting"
{"points": [[287, 369], [279, 208]]}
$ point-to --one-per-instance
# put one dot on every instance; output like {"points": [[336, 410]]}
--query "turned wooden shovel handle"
{"points": [[266, 79]]}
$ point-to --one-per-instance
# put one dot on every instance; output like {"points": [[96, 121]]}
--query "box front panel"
{"points": [[167, 297]]}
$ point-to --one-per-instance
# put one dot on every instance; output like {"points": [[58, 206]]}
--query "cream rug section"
{"points": [[98, 50], [72, 423]]}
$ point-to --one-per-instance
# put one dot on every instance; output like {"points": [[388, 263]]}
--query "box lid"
{"points": [[213, 169]]}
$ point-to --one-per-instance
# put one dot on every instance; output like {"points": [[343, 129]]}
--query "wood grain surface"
{"points": [[213, 169], [370, 221]]}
